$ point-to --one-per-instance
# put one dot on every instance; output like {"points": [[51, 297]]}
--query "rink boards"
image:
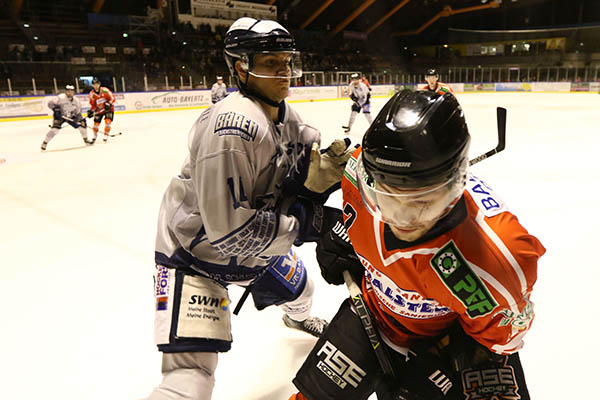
{"points": [[34, 107]]}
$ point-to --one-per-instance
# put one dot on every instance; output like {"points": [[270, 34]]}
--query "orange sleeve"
{"points": [[506, 263]]}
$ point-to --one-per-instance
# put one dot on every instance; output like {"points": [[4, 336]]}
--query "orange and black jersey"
{"points": [[99, 98], [440, 88], [477, 266]]}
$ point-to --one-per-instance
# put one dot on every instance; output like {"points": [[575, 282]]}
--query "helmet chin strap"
{"points": [[248, 91]]}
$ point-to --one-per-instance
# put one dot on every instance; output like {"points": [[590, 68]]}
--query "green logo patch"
{"points": [[465, 285]]}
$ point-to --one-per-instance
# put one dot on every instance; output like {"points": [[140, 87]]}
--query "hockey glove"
{"points": [[57, 113], [464, 352], [315, 219], [319, 172], [354, 98], [335, 255], [107, 107], [327, 167], [90, 113], [424, 376]]}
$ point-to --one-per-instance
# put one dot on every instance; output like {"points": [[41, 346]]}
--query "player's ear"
{"points": [[240, 71]]}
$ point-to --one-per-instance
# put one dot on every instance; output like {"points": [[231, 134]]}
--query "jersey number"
{"points": [[349, 216], [242, 195]]}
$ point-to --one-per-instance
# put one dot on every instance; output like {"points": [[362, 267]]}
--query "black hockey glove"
{"points": [[353, 97], [90, 113], [57, 113], [464, 352], [424, 376], [335, 255], [107, 107], [315, 219]]}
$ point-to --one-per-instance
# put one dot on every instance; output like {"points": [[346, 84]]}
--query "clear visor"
{"points": [[280, 64], [407, 208]]}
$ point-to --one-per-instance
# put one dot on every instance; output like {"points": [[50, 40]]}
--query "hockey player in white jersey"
{"points": [[360, 95], [65, 108], [218, 90], [253, 184]]}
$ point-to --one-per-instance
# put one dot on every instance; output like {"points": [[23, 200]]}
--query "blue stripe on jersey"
{"points": [[223, 273]]}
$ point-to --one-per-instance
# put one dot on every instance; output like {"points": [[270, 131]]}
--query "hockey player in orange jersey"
{"points": [[102, 105], [433, 83], [446, 269]]}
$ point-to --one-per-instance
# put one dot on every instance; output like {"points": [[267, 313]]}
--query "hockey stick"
{"points": [[90, 127], [367, 322], [501, 117]]}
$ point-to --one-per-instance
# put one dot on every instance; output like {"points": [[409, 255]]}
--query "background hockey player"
{"points": [[364, 80], [446, 270], [218, 90], [66, 108], [233, 212], [360, 95], [102, 105], [433, 84]]}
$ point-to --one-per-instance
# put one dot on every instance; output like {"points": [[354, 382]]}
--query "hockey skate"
{"points": [[346, 129], [105, 139], [313, 325], [44, 144]]}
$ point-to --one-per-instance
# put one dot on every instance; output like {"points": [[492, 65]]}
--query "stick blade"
{"points": [[501, 118]]}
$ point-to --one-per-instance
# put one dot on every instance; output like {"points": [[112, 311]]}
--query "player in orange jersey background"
{"points": [[446, 269], [433, 83], [102, 105]]}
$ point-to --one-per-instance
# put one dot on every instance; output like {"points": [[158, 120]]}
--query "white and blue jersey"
{"points": [[361, 96], [221, 215], [70, 108], [218, 92]]}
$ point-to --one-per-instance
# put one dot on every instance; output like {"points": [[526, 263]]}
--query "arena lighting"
{"points": [[125, 34], [35, 38], [26, 25]]}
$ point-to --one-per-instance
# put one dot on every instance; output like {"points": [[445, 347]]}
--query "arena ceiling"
{"points": [[427, 18]]}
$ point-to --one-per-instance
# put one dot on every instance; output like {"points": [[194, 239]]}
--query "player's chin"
{"points": [[408, 234]]}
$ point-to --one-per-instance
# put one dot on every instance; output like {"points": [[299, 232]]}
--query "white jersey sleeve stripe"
{"points": [[496, 285], [505, 252], [515, 344]]}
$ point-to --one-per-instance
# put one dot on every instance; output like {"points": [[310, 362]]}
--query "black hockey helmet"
{"points": [[418, 139], [431, 72], [96, 80]]}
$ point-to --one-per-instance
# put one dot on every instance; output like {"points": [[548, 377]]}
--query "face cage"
{"points": [[293, 67], [410, 208]]}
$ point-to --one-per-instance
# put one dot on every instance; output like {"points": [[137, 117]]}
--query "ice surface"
{"points": [[77, 232]]}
